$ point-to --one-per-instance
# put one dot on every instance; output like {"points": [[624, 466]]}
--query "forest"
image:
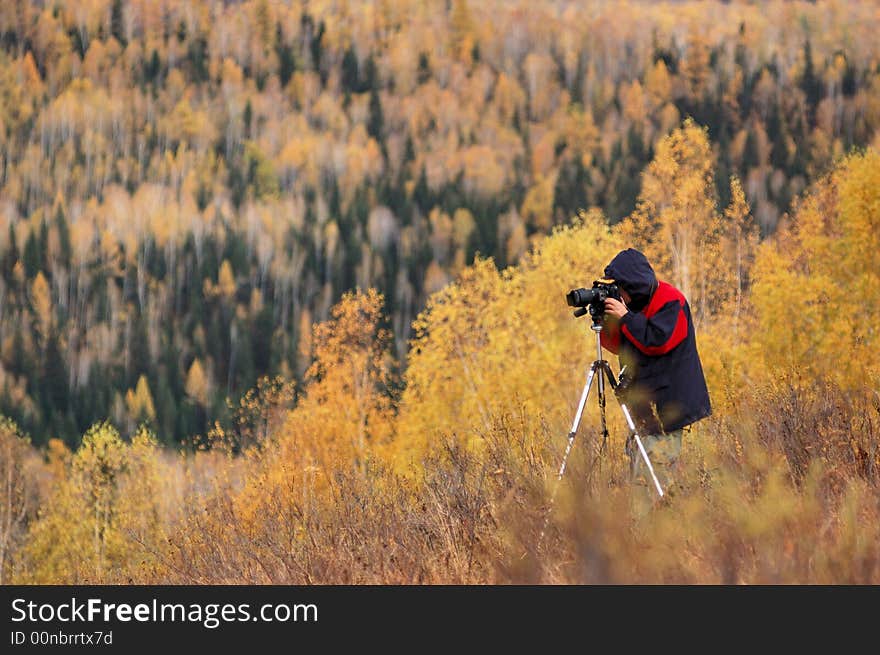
{"points": [[282, 288]]}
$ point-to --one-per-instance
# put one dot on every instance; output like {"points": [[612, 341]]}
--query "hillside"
{"points": [[186, 187], [445, 476]]}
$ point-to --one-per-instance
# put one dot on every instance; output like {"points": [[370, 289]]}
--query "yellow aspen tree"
{"points": [[41, 300], [676, 223], [346, 411], [740, 242], [537, 207], [696, 66], [103, 523], [492, 344], [820, 274], [197, 383], [435, 277], [76, 539], [226, 280], [461, 31], [18, 494], [463, 226], [725, 341], [144, 508], [633, 101], [140, 402], [658, 85]]}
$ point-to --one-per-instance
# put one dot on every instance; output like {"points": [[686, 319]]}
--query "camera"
{"points": [[593, 300]]}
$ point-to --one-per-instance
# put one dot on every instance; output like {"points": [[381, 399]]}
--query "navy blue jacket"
{"points": [[655, 340]]}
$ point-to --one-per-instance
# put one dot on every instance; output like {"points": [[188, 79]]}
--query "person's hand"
{"points": [[615, 308]]}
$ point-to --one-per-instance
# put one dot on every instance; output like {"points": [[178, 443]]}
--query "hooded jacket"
{"points": [[655, 340]]}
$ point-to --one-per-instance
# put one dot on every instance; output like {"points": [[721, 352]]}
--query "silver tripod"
{"points": [[603, 369], [599, 370]]}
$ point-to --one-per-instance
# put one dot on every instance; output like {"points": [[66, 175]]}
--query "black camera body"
{"points": [[593, 300]]}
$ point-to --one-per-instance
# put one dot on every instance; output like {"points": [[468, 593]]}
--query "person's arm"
{"points": [[659, 334]]}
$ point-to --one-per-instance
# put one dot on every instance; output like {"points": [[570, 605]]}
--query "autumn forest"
{"points": [[282, 287]]}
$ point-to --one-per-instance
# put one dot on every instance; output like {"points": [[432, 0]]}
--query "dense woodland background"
{"points": [[282, 287]]}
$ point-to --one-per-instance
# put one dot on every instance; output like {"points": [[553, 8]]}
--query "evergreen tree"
{"points": [[376, 120], [286, 58], [570, 191], [65, 251], [139, 353], [55, 376], [117, 22], [152, 68], [422, 193], [32, 256], [350, 75], [424, 73], [10, 256], [43, 245], [810, 83]]}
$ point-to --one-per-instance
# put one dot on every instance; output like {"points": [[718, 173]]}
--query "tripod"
{"points": [[599, 370]]}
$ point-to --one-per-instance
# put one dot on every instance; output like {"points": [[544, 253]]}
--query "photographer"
{"points": [[653, 334]]}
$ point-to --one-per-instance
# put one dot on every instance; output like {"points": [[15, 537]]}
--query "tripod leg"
{"points": [[571, 435], [600, 388], [635, 433], [577, 420]]}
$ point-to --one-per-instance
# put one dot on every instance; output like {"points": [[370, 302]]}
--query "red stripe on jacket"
{"points": [[665, 294], [610, 339]]}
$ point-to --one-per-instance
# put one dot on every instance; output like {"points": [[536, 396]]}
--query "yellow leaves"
{"points": [[102, 511], [354, 324], [634, 102], [18, 272], [463, 226], [231, 75], [537, 206], [658, 84], [510, 99], [483, 172], [18, 492], [75, 537], [140, 401], [345, 412], [461, 31], [41, 299], [543, 153], [99, 462], [816, 291], [537, 69], [859, 198], [188, 125], [197, 383], [261, 411], [265, 179], [676, 223], [226, 280], [58, 457], [492, 344], [696, 66], [299, 154], [225, 287], [30, 74], [435, 278], [581, 134]]}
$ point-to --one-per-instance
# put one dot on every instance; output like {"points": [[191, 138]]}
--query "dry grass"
{"points": [[783, 489]]}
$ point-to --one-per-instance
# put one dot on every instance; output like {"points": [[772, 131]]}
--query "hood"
{"points": [[632, 272]]}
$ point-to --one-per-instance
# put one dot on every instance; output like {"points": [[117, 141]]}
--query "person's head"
{"points": [[632, 272]]}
